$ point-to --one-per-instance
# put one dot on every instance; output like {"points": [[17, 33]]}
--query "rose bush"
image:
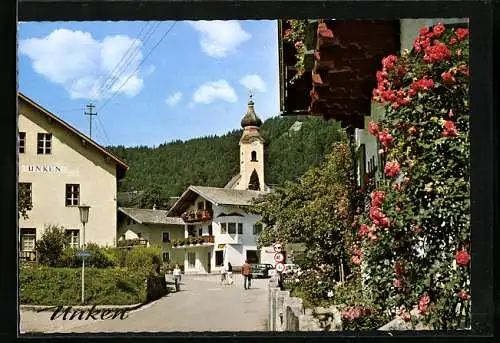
{"points": [[415, 237]]}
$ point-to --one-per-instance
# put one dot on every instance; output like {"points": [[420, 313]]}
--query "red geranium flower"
{"points": [[462, 257], [463, 295], [363, 230], [424, 31], [453, 41], [356, 260], [397, 283], [422, 304]]}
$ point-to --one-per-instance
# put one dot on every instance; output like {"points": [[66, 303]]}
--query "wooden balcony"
{"points": [[196, 216], [193, 241]]}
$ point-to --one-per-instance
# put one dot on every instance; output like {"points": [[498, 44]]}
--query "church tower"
{"points": [[251, 152]]}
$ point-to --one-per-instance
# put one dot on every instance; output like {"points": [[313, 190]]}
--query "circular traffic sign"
{"points": [[278, 247], [279, 267], [279, 258]]}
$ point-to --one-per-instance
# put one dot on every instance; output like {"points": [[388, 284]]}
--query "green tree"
{"points": [[317, 211], [24, 200], [51, 245]]}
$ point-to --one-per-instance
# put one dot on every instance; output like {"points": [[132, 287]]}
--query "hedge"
{"points": [[42, 285]]}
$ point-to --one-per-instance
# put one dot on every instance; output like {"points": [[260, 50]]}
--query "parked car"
{"points": [[261, 270]]}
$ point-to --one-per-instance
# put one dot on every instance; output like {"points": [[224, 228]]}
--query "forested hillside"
{"points": [[165, 171]]}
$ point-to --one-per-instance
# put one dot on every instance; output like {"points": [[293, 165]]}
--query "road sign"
{"points": [[279, 258], [278, 247], [279, 267], [83, 254]]}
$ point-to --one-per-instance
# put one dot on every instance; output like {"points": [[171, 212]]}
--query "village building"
{"points": [[218, 228], [62, 168], [146, 227]]}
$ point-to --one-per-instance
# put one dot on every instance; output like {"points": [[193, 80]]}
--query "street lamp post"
{"points": [[84, 218]]}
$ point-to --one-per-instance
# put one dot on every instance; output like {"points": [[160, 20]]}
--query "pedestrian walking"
{"points": [[246, 271], [177, 277], [229, 273], [223, 275]]}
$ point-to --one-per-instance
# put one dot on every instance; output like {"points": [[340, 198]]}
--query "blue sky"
{"points": [[194, 83]]}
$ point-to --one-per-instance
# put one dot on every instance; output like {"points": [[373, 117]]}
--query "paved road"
{"points": [[201, 305]]}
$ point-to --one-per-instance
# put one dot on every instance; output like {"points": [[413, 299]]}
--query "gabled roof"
{"points": [[122, 167], [217, 196], [234, 180], [148, 216]]}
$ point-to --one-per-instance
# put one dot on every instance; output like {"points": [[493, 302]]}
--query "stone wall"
{"points": [[287, 313]]}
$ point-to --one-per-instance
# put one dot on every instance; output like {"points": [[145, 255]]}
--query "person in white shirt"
{"points": [[177, 277]]}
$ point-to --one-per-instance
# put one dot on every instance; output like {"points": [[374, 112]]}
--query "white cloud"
{"points": [[253, 82], [219, 38], [174, 99], [81, 64], [216, 90]]}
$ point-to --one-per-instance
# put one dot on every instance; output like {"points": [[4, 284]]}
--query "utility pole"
{"points": [[90, 113]]}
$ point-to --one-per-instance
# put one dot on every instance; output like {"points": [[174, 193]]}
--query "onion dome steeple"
{"points": [[250, 118]]}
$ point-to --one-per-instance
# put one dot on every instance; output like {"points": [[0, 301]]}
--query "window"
{"points": [[165, 237], [191, 259], [231, 228], [73, 238], [210, 232], [22, 142], [219, 258], [200, 205], [208, 206], [139, 235], [25, 191], [166, 256], [72, 195], [257, 229], [240, 228], [223, 228], [200, 231], [190, 230], [28, 239], [44, 143], [254, 156]]}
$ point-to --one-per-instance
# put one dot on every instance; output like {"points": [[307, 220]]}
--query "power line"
{"points": [[138, 67], [96, 93], [104, 131], [129, 59]]}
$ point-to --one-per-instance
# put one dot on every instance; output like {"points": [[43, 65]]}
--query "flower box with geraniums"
{"points": [[414, 242]]}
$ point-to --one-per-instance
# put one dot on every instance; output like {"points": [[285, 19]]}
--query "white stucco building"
{"points": [[62, 168], [218, 229]]}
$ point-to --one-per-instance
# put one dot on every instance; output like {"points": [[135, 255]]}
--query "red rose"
{"points": [[449, 129], [447, 77], [363, 230], [392, 168], [356, 260], [438, 29], [461, 33], [463, 295], [373, 128], [462, 257], [422, 304], [424, 31]]}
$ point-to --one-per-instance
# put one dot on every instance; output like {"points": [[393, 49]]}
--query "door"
{"points": [[209, 262]]}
